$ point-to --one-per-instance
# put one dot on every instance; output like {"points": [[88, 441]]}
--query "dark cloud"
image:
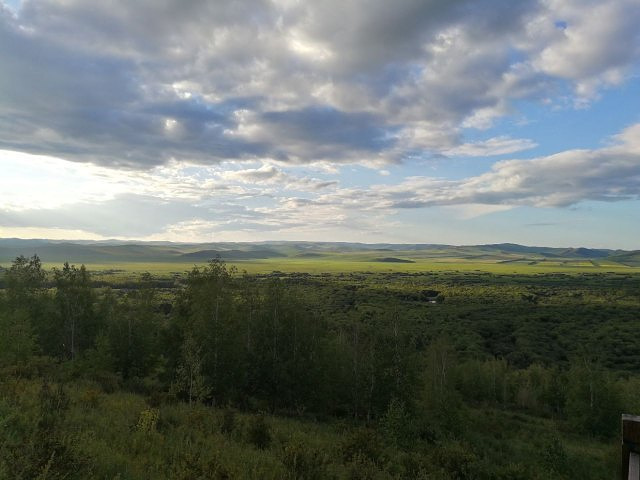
{"points": [[137, 84], [326, 133]]}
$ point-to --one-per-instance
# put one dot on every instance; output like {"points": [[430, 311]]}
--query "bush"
{"points": [[457, 460], [108, 381], [148, 420], [190, 466], [594, 403], [396, 424], [157, 398], [554, 458], [362, 443], [512, 471], [41, 449], [304, 462], [228, 421], [90, 398], [363, 468], [43, 455], [54, 402], [258, 432]]}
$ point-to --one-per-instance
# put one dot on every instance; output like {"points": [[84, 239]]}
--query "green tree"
{"points": [[74, 298], [207, 311], [25, 280], [17, 339], [442, 402], [134, 329], [190, 381], [593, 398]]}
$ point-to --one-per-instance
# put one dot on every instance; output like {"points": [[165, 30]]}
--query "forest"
{"points": [[218, 373]]}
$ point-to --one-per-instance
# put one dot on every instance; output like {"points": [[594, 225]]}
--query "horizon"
{"points": [[337, 242], [459, 123]]}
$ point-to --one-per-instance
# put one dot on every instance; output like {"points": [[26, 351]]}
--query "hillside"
{"points": [[119, 251]]}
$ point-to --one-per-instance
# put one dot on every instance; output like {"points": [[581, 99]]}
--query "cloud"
{"points": [[493, 146], [315, 134], [135, 85], [145, 215], [266, 201], [564, 179], [271, 175], [593, 44]]}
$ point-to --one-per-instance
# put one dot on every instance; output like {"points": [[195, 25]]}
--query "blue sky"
{"points": [[458, 121]]}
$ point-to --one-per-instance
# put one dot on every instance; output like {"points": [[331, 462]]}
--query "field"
{"points": [[320, 256], [322, 361], [338, 264], [121, 260]]}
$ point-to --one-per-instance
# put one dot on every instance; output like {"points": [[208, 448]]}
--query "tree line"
{"points": [[265, 344]]}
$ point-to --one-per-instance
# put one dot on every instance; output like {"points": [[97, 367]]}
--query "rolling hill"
{"points": [[114, 251]]}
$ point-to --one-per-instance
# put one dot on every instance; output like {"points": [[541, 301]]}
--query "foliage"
{"points": [[322, 376], [148, 420], [258, 432], [304, 462], [554, 458]]}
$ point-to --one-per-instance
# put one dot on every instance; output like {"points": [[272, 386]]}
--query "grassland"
{"points": [[335, 264], [124, 259]]}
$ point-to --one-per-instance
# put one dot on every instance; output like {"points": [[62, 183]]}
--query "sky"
{"points": [[413, 121]]}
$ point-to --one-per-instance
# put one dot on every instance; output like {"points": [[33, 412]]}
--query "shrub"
{"points": [[258, 432], [41, 449], [228, 421], [396, 424], [457, 459], [90, 398], [363, 468], [148, 420], [304, 462], [554, 458], [362, 443], [190, 466]]}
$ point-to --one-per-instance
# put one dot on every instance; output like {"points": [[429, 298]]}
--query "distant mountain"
{"points": [[631, 259], [232, 254], [580, 252], [113, 251], [587, 253]]}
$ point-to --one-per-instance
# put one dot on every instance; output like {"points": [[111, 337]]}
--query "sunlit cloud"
{"points": [[276, 119]]}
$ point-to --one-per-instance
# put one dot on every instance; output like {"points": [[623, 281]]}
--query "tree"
{"points": [[74, 298], [208, 314], [133, 329], [442, 402], [593, 399], [26, 298], [190, 381], [17, 340], [25, 280]]}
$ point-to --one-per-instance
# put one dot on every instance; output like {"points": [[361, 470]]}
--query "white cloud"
{"points": [[36, 181], [267, 202], [48, 233], [493, 146], [474, 210], [596, 43]]}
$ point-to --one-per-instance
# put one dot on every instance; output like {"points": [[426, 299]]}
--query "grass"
{"points": [[187, 441], [346, 264]]}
